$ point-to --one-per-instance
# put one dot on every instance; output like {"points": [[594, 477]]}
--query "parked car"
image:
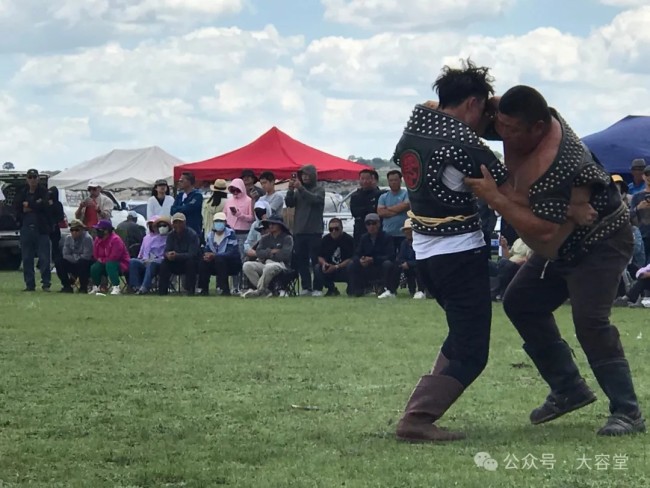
{"points": [[335, 206]]}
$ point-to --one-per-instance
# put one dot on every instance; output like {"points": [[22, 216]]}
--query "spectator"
{"points": [[239, 217], [272, 256], [97, 206], [249, 179], [512, 259], [131, 233], [639, 182], [76, 259], [214, 204], [640, 213], [181, 255], [220, 257], [111, 257], [364, 201], [160, 202], [373, 260], [189, 202], [335, 255], [57, 219], [634, 296], [146, 266], [392, 208], [308, 199], [262, 211], [275, 200], [31, 208], [407, 264]]}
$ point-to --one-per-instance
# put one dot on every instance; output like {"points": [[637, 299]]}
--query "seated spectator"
{"points": [[635, 294], [144, 268], [406, 263], [272, 256], [511, 260], [335, 255], [220, 256], [131, 233], [262, 211], [181, 256], [76, 259], [373, 260], [111, 257]]}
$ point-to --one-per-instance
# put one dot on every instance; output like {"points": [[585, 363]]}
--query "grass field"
{"points": [[202, 392]]}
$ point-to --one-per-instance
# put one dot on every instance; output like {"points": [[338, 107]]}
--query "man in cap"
{"points": [[250, 180], [181, 255], [96, 207], [220, 256], [373, 260], [77, 258], [272, 256], [406, 264], [131, 233], [30, 205], [638, 183]]}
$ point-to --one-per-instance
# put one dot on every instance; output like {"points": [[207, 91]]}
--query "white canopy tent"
{"points": [[120, 169]]}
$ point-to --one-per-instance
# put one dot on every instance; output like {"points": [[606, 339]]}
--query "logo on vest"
{"points": [[411, 169]]}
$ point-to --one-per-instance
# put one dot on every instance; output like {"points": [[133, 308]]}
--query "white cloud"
{"points": [[625, 3], [397, 15]]}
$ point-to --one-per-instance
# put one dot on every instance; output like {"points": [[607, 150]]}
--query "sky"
{"points": [[198, 78]]}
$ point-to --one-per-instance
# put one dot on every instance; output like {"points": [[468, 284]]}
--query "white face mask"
{"points": [[163, 230]]}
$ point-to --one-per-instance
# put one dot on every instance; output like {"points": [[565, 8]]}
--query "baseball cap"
{"points": [[617, 178], [32, 172], [178, 216], [94, 184], [161, 182], [638, 163], [133, 214], [372, 217], [219, 216], [103, 225]]}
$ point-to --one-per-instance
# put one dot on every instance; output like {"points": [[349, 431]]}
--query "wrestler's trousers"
{"points": [[540, 287], [460, 283]]}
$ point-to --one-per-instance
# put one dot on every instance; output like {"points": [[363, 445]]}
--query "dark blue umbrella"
{"points": [[618, 145]]}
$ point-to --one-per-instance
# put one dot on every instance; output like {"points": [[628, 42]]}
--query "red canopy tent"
{"points": [[273, 151]]}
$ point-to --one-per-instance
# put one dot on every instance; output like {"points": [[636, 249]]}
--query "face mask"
{"points": [[162, 230], [219, 226]]}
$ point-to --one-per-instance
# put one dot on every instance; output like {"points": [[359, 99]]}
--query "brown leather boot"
{"points": [[430, 399], [441, 363]]}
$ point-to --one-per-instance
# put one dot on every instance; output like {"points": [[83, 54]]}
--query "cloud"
{"points": [[625, 3], [400, 15]]}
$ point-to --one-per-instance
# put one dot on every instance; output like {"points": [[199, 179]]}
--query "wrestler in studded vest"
{"points": [[550, 195], [433, 141]]}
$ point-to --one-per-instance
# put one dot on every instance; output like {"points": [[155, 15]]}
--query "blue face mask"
{"points": [[219, 226]]}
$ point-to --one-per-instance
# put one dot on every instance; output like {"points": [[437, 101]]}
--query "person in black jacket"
{"points": [[181, 256], [56, 215], [334, 258], [373, 260], [406, 263], [364, 201], [31, 207]]}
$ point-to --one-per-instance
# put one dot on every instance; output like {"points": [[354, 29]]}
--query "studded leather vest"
{"points": [[432, 142], [549, 196]]}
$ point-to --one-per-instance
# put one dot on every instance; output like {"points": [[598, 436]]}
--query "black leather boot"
{"points": [[615, 378], [569, 391]]}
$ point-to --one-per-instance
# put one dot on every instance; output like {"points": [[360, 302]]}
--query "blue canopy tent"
{"points": [[618, 145]]}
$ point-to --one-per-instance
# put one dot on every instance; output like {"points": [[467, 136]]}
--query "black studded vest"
{"points": [[550, 196], [433, 141]]}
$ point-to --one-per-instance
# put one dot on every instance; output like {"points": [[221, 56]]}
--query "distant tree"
{"points": [[8, 166]]}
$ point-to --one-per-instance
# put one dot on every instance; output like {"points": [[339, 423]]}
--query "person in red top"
{"points": [[96, 207], [111, 257]]}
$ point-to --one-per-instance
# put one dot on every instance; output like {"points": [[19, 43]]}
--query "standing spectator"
{"points": [[406, 263], [364, 201], [239, 217], [57, 219], [639, 183], [131, 233], [189, 202], [336, 253], [76, 259], [272, 255], [181, 255], [373, 260], [145, 267], [214, 204], [250, 180], [31, 208], [267, 180], [392, 208], [97, 206], [111, 257], [160, 202], [640, 213], [308, 199], [220, 257]]}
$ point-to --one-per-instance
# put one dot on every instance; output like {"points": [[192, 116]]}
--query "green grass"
{"points": [[198, 392]]}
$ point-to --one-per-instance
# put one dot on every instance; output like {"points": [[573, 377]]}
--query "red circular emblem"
{"points": [[411, 169]]}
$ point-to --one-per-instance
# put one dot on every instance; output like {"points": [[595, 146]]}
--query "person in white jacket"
{"points": [[160, 203]]}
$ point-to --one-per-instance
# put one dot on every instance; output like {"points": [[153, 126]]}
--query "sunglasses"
{"points": [[32, 177], [334, 229], [75, 230], [372, 222]]}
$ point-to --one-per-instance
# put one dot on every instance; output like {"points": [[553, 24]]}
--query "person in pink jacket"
{"points": [[239, 217], [111, 257]]}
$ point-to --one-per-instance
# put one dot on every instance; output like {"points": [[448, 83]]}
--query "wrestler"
{"points": [[550, 168], [440, 146]]}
